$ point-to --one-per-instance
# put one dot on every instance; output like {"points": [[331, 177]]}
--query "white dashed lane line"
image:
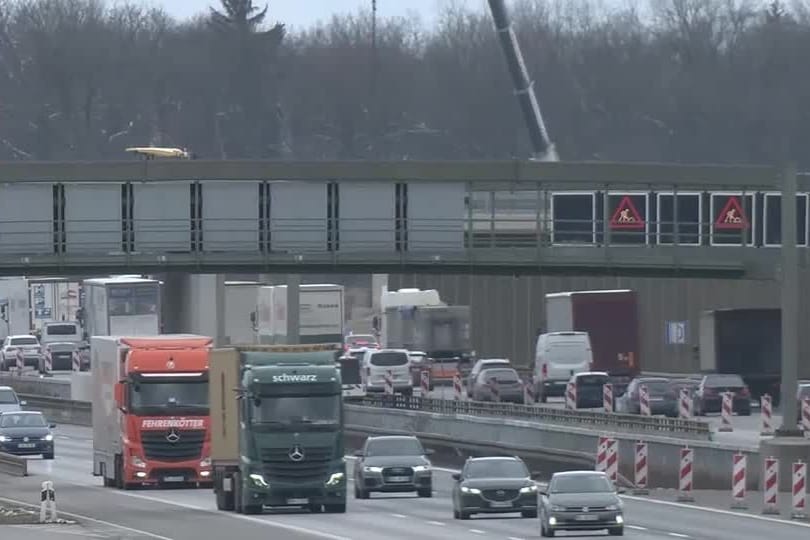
{"points": [[401, 516], [477, 531], [678, 535], [636, 528], [436, 523]]}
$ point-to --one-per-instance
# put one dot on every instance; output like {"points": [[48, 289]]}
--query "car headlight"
{"points": [[205, 462], [557, 508], [372, 469], [529, 489], [614, 507], [137, 462], [258, 480], [473, 491], [3, 438], [335, 479], [48, 437], [421, 468]]}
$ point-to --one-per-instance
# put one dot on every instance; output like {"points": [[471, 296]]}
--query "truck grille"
{"points": [[314, 463], [499, 495], [173, 445]]}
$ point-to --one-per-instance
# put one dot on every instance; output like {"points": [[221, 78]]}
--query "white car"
{"points": [[30, 347]]}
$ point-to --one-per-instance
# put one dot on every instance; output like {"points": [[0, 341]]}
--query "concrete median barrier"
{"points": [[37, 386], [58, 410], [13, 465]]}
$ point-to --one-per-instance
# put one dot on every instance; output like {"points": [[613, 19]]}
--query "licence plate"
{"points": [[587, 517], [27, 445], [398, 478], [501, 504], [297, 501], [174, 479]]}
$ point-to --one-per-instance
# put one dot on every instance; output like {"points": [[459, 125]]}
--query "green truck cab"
{"points": [[277, 428]]}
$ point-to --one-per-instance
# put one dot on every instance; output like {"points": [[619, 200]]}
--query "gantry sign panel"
{"points": [[721, 218]]}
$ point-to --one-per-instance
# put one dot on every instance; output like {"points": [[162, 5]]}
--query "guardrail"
{"points": [[13, 465], [60, 410], [588, 419]]}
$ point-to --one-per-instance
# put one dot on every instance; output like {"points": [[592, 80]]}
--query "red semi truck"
{"points": [[610, 317], [151, 423]]}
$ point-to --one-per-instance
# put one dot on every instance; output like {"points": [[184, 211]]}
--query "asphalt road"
{"points": [[191, 514]]}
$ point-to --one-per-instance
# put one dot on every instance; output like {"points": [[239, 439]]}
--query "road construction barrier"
{"points": [[601, 454], [607, 397], [47, 361], [528, 393], [799, 509], [766, 410], [458, 391], [613, 460], [77, 361], [685, 403], [644, 400], [20, 361], [726, 410], [771, 486], [47, 505], [13, 465], [685, 472], [570, 396], [494, 389], [640, 469], [389, 383], [806, 416], [738, 479], [425, 382]]}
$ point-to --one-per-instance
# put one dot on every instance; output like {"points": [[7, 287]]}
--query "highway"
{"points": [[191, 514]]}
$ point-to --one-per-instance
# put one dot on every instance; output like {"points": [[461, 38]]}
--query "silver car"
{"points": [[581, 501], [9, 402], [505, 381], [28, 345]]}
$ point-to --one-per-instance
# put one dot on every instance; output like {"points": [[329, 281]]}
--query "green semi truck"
{"points": [[277, 428]]}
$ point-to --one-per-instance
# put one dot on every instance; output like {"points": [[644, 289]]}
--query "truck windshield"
{"points": [[287, 411], [169, 398]]}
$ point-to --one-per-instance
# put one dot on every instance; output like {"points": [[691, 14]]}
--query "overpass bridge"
{"points": [[404, 216]]}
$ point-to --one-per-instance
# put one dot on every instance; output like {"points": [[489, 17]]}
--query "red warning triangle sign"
{"points": [[626, 216], [732, 216]]}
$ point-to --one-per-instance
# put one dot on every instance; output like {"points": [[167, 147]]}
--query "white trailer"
{"points": [[52, 299], [15, 307], [264, 316], [121, 306], [402, 298], [240, 309], [321, 313]]}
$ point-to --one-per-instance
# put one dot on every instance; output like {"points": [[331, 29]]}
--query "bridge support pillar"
{"points": [[195, 303]]}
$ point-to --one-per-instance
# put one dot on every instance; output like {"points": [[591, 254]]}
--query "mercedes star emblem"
{"points": [[500, 492], [296, 453], [25, 439], [173, 436], [585, 509]]}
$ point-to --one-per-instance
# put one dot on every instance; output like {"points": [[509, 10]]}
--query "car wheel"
{"points": [[425, 493], [618, 531], [464, 515], [335, 508], [455, 514], [529, 513], [47, 456]]}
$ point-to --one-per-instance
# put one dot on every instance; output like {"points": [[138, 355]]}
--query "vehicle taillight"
{"points": [[544, 370]]}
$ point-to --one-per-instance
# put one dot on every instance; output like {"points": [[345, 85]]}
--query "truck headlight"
{"points": [[335, 479], [138, 462], [48, 437], [421, 468], [258, 480], [529, 489], [473, 491], [205, 462], [372, 469]]}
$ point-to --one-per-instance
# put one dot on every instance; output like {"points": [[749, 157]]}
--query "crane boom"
{"points": [[542, 147]]}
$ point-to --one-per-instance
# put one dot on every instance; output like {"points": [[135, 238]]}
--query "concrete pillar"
{"points": [[294, 309], [379, 282], [174, 292], [204, 306]]}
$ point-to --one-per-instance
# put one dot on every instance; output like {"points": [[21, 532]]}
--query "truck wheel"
{"points": [[335, 508], [237, 493], [252, 509], [224, 500], [118, 480]]}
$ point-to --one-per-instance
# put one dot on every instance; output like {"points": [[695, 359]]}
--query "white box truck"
{"points": [[264, 316], [321, 313], [15, 307], [240, 309]]}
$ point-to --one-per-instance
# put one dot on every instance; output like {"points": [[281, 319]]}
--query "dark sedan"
{"points": [[494, 485], [580, 501], [61, 356], [709, 395], [392, 465], [630, 401], [26, 433]]}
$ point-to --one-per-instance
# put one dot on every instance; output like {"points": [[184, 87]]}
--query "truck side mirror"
{"points": [[119, 396]]}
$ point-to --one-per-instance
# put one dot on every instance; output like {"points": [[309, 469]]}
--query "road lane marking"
{"points": [[477, 531], [437, 523], [399, 516], [678, 535], [260, 521], [515, 538], [93, 520], [636, 527]]}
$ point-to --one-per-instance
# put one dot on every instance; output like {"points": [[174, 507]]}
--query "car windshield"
{"points": [[169, 398], [7, 397], [394, 447], [24, 341], [500, 375], [22, 420], [655, 388], [724, 380], [288, 411], [387, 359], [592, 380], [584, 483], [487, 364], [496, 468], [676, 386]]}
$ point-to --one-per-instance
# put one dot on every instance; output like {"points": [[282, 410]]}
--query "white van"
{"points": [[378, 362], [61, 332], [558, 356]]}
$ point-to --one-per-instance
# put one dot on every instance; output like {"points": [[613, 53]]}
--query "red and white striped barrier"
{"points": [[685, 404], [771, 486], [644, 400], [528, 393], [766, 410], [601, 454], [20, 361], [612, 470], [685, 475], [494, 389], [458, 392], [799, 483], [640, 469], [425, 382], [726, 410], [806, 416], [607, 397], [47, 361], [738, 478], [570, 396], [389, 383], [77, 361]]}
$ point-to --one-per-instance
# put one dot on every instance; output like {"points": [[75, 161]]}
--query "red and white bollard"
{"points": [[612, 470], [425, 383], [640, 469], [644, 401], [601, 454], [494, 389], [77, 361], [389, 383], [726, 411], [47, 362], [771, 486], [20, 361], [738, 479], [458, 392], [806, 416], [570, 396], [685, 404], [685, 475], [766, 410], [47, 504], [607, 397], [528, 393], [799, 483]]}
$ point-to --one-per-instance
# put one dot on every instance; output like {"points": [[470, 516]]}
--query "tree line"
{"points": [[680, 80]]}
